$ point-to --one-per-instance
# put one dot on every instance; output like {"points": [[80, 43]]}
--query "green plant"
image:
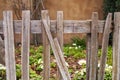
{"points": [[34, 75], [53, 64], [109, 55], [2, 72], [109, 6], [79, 42], [81, 75], [76, 52]]}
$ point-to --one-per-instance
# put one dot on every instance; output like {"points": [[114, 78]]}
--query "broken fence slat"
{"points": [[55, 52], [105, 46], [88, 55]]}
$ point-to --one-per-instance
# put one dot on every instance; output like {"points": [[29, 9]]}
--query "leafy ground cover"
{"points": [[75, 56]]}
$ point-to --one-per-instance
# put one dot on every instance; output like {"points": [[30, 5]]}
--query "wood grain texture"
{"points": [[9, 45], [94, 47], [25, 44], [116, 47], [46, 49], [70, 26], [88, 55], [105, 42], [55, 52], [60, 34], [61, 56]]}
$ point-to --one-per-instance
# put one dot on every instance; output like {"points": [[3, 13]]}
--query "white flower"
{"points": [[40, 61], [83, 71], [99, 65], [76, 47], [2, 67], [110, 67], [82, 62], [76, 72], [79, 46], [74, 44], [67, 64], [70, 47], [106, 65]]}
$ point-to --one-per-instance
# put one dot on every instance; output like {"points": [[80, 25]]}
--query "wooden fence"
{"points": [[48, 27]]}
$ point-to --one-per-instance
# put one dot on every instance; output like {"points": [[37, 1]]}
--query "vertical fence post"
{"points": [[46, 48], [94, 47], [60, 34], [105, 46], [25, 44], [56, 51], [116, 47], [88, 55], [9, 45]]}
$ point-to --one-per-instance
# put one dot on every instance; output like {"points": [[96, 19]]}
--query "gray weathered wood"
{"points": [[9, 45], [46, 49], [105, 42], [25, 44], [60, 34], [94, 47], [70, 26], [61, 56], [55, 52], [88, 55], [116, 47]]}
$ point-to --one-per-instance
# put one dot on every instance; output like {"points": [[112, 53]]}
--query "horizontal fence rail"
{"points": [[70, 26]]}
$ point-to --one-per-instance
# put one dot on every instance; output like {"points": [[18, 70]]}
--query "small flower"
{"points": [[67, 64], [82, 62], [76, 72], [70, 47], [74, 44], [83, 71], [2, 67], [99, 65], [76, 47], [79, 46]]}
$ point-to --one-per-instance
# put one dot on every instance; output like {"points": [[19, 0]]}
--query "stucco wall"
{"points": [[74, 9]]}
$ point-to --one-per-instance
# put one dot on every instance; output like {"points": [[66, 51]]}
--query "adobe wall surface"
{"points": [[74, 9]]}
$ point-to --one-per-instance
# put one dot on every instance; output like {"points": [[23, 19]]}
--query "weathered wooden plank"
{"points": [[88, 55], [70, 26], [55, 52], [61, 56], [116, 47], [60, 34], [94, 47], [46, 49], [105, 42], [25, 44], [7, 58], [9, 45]]}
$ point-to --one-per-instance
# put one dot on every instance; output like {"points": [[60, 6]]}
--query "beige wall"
{"points": [[74, 9]]}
